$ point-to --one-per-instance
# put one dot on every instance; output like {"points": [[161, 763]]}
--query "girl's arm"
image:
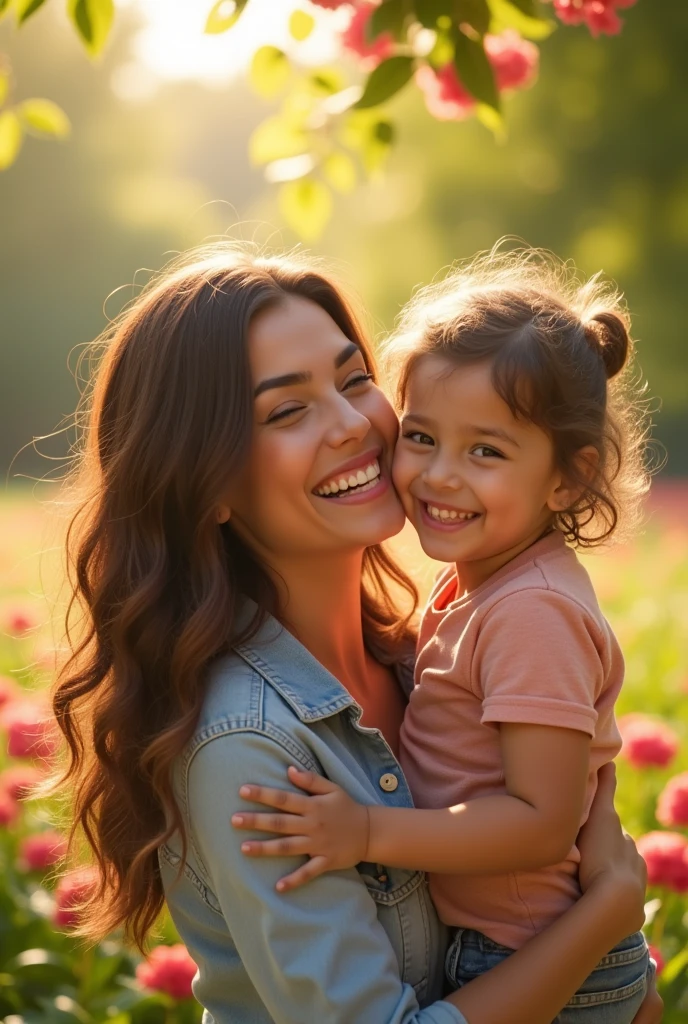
{"points": [[534, 824], [533, 984]]}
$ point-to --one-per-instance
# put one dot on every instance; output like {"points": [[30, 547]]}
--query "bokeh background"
{"points": [[594, 167]]}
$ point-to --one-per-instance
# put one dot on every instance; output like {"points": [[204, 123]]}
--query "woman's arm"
{"points": [[318, 954], [532, 985]]}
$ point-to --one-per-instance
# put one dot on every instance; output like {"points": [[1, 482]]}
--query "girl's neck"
{"points": [[322, 608]]}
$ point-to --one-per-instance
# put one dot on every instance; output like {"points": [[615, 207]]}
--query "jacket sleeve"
{"points": [[317, 953]]}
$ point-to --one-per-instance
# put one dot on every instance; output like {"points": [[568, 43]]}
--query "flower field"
{"points": [[48, 976]]}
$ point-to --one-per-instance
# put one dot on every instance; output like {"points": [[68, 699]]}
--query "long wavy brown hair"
{"points": [[155, 583]]}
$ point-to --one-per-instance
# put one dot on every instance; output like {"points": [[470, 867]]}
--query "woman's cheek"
{"points": [[402, 475]]}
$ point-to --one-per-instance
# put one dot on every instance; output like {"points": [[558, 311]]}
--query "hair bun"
{"points": [[609, 335]]}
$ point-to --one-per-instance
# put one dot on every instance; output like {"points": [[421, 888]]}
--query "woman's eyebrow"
{"points": [[303, 377]]}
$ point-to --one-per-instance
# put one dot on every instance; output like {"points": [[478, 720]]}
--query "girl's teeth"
{"points": [[443, 514]]}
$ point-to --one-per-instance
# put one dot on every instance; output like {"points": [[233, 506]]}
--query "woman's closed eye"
{"points": [[357, 379]]}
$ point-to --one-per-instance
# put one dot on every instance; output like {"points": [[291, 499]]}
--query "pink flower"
{"points": [[19, 623], [514, 60], [599, 15], [354, 37], [9, 691], [41, 851], [647, 741], [9, 809], [666, 856], [657, 957], [331, 5], [445, 96], [31, 732], [672, 806], [71, 892], [19, 780], [168, 969]]}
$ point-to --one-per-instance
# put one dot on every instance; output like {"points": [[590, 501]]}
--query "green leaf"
{"points": [[474, 69], [276, 139], [507, 14], [4, 6], [429, 12], [492, 119], [11, 137], [45, 118], [93, 21], [385, 80], [376, 147], [270, 70], [390, 17], [25, 8], [301, 25], [340, 171], [223, 15], [675, 967], [306, 206], [475, 13]]}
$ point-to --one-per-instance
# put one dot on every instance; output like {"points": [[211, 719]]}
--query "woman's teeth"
{"points": [[443, 514], [362, 479]]}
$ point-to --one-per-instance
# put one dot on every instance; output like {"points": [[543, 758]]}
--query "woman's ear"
{"points": [[223, 513], [567, 492]]}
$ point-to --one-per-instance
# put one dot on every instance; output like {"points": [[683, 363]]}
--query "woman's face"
{"points": [[318, 477]]}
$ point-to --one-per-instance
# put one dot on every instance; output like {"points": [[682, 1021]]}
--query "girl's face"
{"points": [[318, 478], [478, 484]]}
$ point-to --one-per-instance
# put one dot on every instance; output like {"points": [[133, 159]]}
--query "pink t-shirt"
{"points": [[530, 645]]}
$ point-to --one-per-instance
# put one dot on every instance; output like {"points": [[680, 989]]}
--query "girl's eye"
{"points": [[484, 451], [418, 437], [358, 378]]}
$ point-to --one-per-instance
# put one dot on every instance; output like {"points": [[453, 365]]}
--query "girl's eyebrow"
{"points": [[303, 377]]}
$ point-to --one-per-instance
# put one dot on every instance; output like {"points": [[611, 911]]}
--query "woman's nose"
{"points": [[347, 423]]}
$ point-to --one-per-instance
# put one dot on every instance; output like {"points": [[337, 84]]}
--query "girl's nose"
{"points": [[442, 474]]}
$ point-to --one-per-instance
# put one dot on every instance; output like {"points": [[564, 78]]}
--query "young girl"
{"points": [[518, 443]]}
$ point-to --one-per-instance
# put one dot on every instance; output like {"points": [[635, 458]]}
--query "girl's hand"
{"points": [[651, 1009], [609, 856], [328, 826]]}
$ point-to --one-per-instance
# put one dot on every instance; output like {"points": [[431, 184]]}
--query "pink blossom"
{"points": [[514, 60], [71, 892], [599, 15], [31, 732], [41, 851], [445, 96], [666, 857], [9, 691], [19, 780], [354, 36], [19, 623], [168, 969], [672, 806], [657, 957], [331, 5], [9, 809], [647, 741]]}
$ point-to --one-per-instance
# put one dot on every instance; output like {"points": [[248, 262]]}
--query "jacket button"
{"points": [[388, 782]]}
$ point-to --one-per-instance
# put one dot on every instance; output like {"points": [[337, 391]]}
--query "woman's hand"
{"points": [[327, 826], [609, 856]]}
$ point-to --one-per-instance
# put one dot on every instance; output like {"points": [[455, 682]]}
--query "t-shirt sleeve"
{"points": [[536, 661]]}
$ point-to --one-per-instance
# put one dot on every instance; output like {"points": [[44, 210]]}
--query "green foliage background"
{"points": [[595, 167]]}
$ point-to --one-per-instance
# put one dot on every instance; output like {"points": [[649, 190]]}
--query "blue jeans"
{"points": [[611, 995]]}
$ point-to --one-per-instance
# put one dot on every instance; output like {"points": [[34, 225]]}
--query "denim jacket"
{"points": [[362, 946]]}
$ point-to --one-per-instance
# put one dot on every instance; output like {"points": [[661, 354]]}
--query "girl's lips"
{"points": [[443, 525]]}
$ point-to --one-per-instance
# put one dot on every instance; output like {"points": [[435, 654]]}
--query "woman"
{"points": [[240, 618]]}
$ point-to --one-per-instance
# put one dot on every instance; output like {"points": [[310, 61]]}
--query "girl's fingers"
{"points": [[311, 782], [283, 824], [282, 799], [306, 873], [290, 846]]}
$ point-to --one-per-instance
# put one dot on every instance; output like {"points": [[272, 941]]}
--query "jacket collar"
{"points": [[311, 691]]}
